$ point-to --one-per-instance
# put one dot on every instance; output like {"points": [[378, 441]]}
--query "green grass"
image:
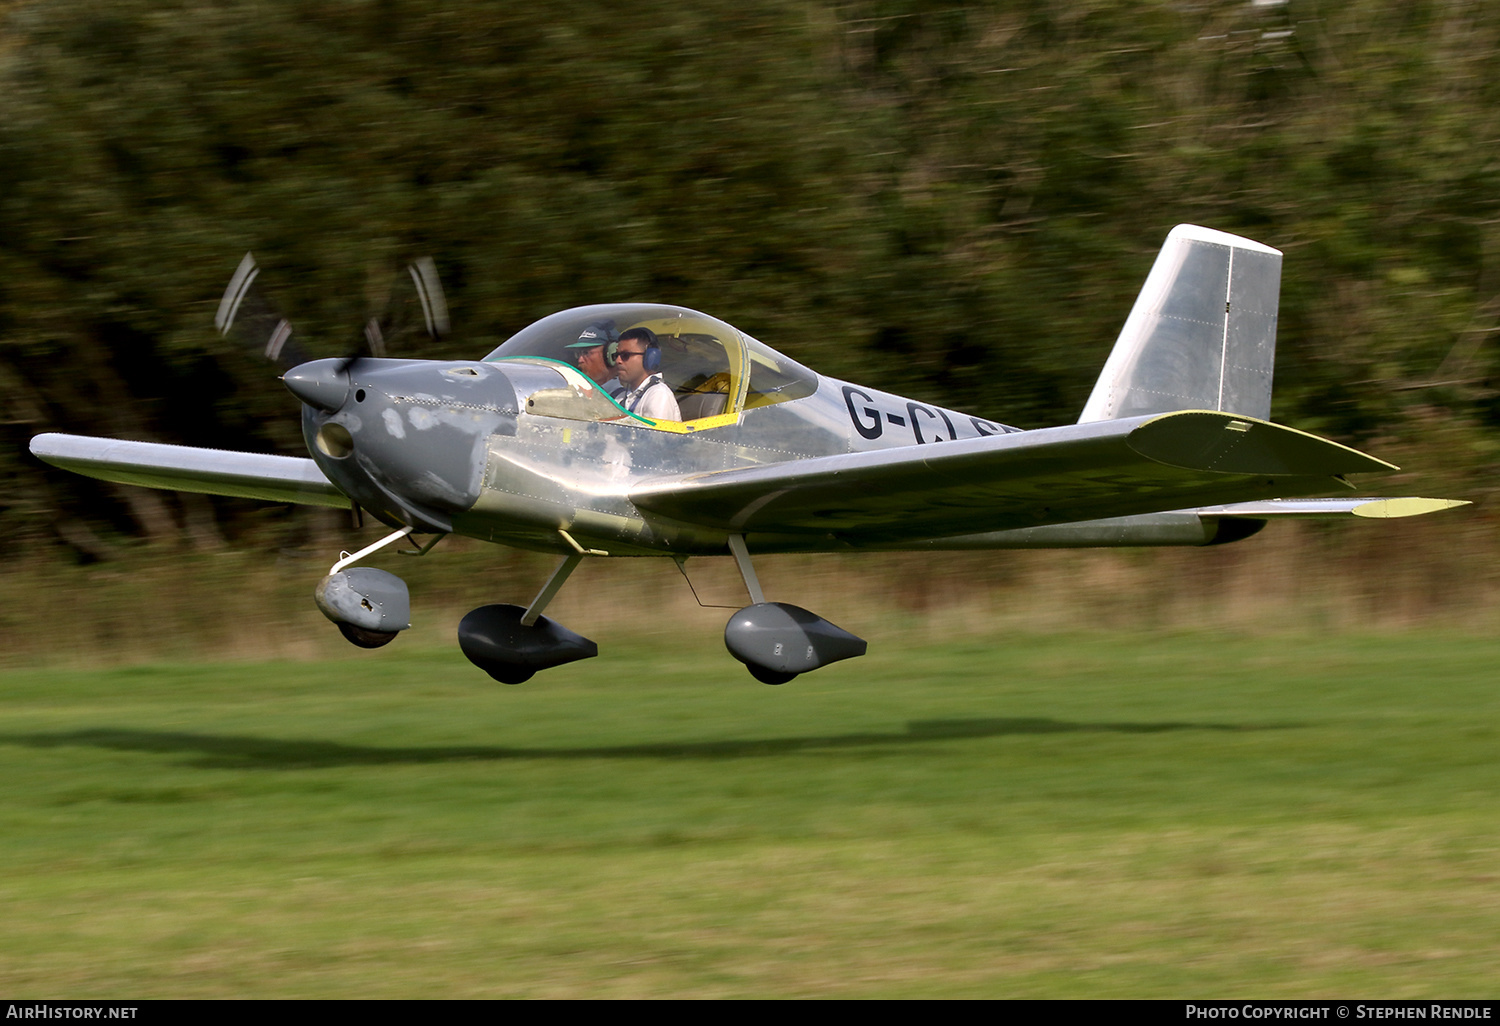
{"points": [[1163, 816]]}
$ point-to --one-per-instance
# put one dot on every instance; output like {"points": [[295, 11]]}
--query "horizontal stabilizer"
{"points": [[1206, 525], [182, 468], [1307, 509]]}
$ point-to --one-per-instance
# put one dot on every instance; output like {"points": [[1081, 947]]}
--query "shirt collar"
{"points": [[653, 379]]}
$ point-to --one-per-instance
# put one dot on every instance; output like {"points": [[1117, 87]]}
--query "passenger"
{"points": [[588, 354], [645, 393]]}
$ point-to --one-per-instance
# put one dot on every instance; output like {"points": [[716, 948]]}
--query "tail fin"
{"points": [[1202, 334]]}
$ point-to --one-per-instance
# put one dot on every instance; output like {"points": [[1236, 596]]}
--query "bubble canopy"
{"points": [[713, 368]]}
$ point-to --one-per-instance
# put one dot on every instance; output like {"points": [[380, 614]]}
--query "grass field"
{"points": [[1166, 816]]}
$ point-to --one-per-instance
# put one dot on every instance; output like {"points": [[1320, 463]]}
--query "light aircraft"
{"points": [[523, 448]]}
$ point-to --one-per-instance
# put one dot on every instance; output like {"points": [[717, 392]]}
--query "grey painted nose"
{"points": [[322, 383]]}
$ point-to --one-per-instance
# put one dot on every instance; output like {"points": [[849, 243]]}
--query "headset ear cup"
{"points": [[610, 349], [652, 359]]}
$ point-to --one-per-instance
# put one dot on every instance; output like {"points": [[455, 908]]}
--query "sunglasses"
{"points": [[622, 355]]}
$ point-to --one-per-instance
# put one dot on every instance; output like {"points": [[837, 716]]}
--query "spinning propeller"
{"points": [[415, 307]]}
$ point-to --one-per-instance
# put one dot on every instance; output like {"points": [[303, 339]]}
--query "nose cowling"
{"points": [[406, 439], [321, 384]]}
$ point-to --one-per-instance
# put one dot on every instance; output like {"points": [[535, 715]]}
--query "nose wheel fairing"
{"points": [[369, 606]]}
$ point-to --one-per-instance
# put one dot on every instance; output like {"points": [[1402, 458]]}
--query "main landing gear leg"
{"points": [[551, 588], [747, 569], [776, 640], [511, 644]]}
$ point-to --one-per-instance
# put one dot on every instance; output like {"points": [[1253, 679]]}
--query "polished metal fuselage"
{"points": [[452, 447]]}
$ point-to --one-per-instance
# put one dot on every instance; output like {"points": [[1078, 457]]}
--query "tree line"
{"points": [[951, 199]]}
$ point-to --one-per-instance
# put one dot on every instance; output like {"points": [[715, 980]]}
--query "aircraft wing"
{"points": [[1100, 469], [183, 468]]}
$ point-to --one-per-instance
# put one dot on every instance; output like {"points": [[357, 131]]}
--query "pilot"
{"points": [[588, 354], [645, 393]]}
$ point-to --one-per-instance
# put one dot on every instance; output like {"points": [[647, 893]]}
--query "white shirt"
{"points": [[653, 400]]}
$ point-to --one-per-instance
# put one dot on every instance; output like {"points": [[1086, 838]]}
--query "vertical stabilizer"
{"points": [[1202, 334]]}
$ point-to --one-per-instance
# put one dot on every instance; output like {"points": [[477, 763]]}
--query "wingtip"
{"points": [[42, 445]]}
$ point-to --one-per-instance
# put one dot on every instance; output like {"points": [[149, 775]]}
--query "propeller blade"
{"points": [[246, 317], [416, 310], [430, 291], [415, 307], [374, 338]]}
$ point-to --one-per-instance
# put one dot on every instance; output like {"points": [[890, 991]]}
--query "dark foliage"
{"points": [[955, 200]]}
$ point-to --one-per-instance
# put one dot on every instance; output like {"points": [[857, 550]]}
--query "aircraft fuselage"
{"points": [[458, 446]]}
